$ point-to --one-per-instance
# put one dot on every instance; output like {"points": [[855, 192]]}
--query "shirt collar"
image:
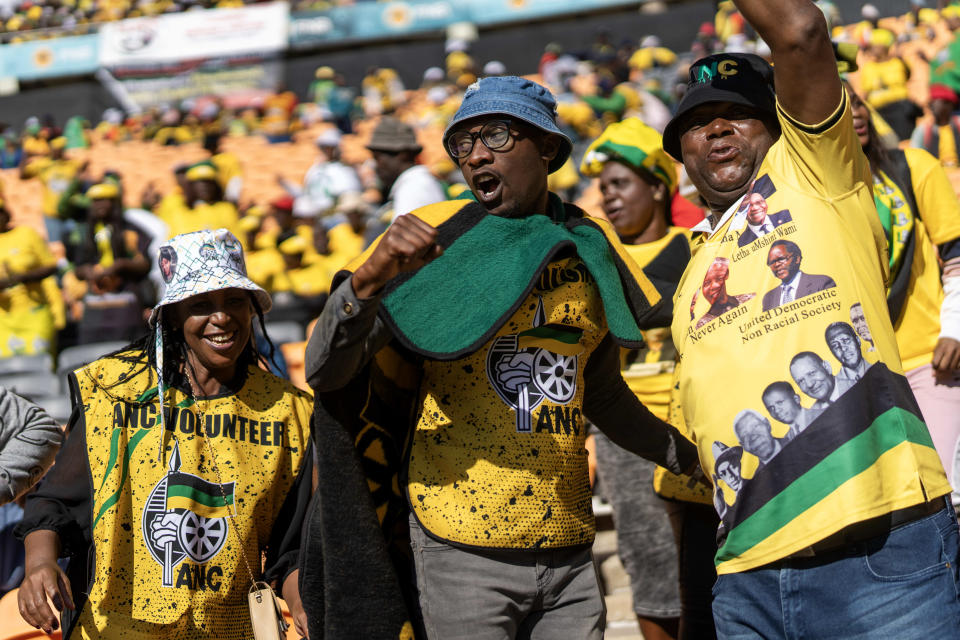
{"points": [[792, 281], [756, 227]]}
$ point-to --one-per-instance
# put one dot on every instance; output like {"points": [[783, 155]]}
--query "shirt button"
{"points": [[348, 308]]}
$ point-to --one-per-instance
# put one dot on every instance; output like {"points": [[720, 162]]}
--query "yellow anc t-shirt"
{"points": [[55, 176], [918, 327], [30, 312], [790, 379], [166, 529], [498, 457]]}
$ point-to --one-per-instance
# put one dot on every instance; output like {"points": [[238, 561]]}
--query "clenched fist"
{"points": [[407, 245]]}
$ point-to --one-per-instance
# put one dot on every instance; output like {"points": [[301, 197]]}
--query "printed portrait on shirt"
{"points": [[845, 345], [759, 219], [859, 321], [727, 479], [714, 292], [784, 405], [755, 434], [784, 259]]}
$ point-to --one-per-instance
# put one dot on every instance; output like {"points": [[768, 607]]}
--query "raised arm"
{"points": [[805, 69]]}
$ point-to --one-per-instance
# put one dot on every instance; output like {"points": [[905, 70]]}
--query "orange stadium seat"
{"points": [[13, 626]]}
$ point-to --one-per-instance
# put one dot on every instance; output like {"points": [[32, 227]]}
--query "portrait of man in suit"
{"points": [[784, 261], [759, 222], [714, 291], [815, 378], [756, 436], [783, 403], [845, 346]]}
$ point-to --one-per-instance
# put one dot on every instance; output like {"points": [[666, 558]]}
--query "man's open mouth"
{"points": [[487, 187]]}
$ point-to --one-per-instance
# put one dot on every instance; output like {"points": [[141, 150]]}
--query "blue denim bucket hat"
{"points": [[515, 97]]}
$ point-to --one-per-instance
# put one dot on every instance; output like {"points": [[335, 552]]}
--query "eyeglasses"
{"points": [[494, 134]]}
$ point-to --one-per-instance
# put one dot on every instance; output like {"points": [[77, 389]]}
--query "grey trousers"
{"points": [[506, 595]]}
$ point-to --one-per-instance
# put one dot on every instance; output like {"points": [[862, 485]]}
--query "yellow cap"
{"points": [[35, 12], [951, 11], [58, 143], [324, 73], [634, 144], [293, 245], [882, 38], [249, 223], [201, 172], [103, 191]]}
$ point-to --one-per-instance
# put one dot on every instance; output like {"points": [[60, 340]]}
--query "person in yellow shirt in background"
{"points": [[31, 306], [109, 280], [349, 238], [164, 205], [227, 164], [301, 287], [883, 81], [637, 183], [205, 207], [55, 173], [921, 216], [35, 140], [263, 260]]}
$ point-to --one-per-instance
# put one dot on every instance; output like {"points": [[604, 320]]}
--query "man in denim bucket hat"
{"points": [[498, 318]]}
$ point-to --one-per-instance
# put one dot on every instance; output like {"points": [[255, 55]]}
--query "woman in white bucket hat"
{"points": [[185, 462]]}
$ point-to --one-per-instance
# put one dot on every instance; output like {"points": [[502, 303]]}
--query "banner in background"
{"points": [[239, 84], [67, 56], [377, 20], [195, 35]]}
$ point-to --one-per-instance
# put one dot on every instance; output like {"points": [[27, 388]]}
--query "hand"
{"points": [[291, 595], [518, 371], [164, 529], [407, 245], [44, 585], [946, 358]]}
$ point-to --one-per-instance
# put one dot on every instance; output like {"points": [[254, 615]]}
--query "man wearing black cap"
{"points": [[844, 533], [499, 318]]}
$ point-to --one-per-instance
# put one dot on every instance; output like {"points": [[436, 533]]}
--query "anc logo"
{"points": [[707, 72], [185, 517], [527, 367]]}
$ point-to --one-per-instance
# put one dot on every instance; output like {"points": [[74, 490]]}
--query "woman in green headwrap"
{"points": [[637, 182]]}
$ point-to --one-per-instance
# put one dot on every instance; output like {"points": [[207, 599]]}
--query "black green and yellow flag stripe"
{"points": [[556, 338], [185, 491], [864, 433]]}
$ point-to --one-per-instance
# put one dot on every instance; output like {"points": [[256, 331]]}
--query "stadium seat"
{"points": [[32, 385], [57, 406], [284, 332], [13, 626], [73, 357], [40, 362]]}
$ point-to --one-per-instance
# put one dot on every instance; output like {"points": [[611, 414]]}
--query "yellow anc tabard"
{"points": [[498, 456], [790, 381], [167, 562]]}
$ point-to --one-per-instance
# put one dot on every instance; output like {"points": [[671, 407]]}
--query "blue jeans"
{"points": [[904, 584]]}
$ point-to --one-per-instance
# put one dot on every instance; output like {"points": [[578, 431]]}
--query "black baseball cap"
{"points": [[740, 78]]}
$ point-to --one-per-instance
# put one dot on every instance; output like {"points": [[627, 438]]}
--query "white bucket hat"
{"points": [[195, 263], [202, 261]]}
